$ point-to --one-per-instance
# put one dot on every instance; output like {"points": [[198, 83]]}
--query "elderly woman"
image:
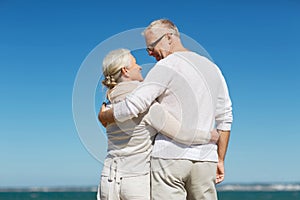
{"points": [[126, 170]]}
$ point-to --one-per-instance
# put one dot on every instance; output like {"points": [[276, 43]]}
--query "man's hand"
{"points": [[214, 136], [100, 115], [222, 148], [220, 172]]}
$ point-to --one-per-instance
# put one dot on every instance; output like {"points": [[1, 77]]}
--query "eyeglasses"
{"points": [[153, 44]]}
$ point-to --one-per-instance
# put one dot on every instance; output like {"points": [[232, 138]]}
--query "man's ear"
{"points": [[169, 35], [169, 38]]}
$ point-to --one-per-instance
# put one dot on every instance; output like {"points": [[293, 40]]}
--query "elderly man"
{"points": [[193, 90]]}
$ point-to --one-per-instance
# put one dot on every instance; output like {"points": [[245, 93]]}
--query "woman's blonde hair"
{"points": [[112, 64]]}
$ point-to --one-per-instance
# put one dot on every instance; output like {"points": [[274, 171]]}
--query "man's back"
{"points": [[192, 85]]}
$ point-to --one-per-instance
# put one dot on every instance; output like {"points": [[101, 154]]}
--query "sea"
{"points": [[225, 192]]}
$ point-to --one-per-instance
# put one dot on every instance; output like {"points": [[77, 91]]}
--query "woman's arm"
{"points": [[106, 115]]}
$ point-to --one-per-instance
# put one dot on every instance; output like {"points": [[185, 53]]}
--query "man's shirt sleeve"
{"points": [[142, 97], [224, 116]]}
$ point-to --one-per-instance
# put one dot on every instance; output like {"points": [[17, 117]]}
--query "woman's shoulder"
{"points": [[120, 91]]}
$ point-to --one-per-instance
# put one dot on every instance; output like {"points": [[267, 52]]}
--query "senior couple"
{"points": [[167, 134]]}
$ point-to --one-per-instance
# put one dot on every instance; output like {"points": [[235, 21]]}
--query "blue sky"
{"points": [[44, 43]]}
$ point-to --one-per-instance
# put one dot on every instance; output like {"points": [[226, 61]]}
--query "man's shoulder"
{"points": [[170, 59], [183, 55]]}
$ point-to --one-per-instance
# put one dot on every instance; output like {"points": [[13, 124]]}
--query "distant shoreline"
{"points": [[48, 189], [223, 187], [260, 187]]}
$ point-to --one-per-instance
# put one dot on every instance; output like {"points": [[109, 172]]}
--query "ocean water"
{"points": [[259, 195], [224, 195], [48, 196]]}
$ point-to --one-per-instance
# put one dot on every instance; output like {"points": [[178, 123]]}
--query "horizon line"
{"points": [[220, 188]]}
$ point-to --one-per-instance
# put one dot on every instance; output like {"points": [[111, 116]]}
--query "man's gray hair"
{"points": [[162, 25]]}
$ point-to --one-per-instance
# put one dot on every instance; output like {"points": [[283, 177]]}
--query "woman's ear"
{"points": [[124, 72]]}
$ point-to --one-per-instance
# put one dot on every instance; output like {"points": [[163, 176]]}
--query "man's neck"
{"points": [[179, 48]]}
